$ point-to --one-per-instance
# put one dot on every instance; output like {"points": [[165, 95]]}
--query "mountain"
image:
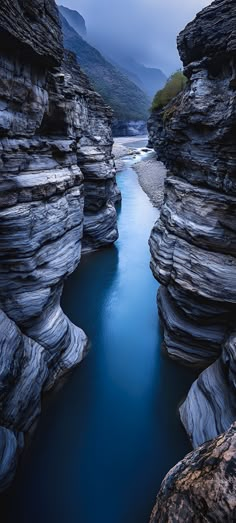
{"points": [[127, 100], [75, 20], [149, 79]]}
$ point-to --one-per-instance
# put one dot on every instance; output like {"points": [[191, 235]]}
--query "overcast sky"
{"points": [[146, 28]]}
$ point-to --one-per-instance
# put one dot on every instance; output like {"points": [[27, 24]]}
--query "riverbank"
{"points": [[125, 146], [151, 176], [151, 173]]}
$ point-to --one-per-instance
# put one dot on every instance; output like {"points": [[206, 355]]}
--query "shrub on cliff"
{"points": [[174, 86]]}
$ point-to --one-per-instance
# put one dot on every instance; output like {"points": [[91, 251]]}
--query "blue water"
{"points": [[106, 439]]}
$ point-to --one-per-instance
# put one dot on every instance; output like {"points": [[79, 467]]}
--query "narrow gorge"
{"points": [[76, 289]]}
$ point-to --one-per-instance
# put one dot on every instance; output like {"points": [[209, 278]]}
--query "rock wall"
{"points": [[55, 164], [93, 120], [193, 243]]}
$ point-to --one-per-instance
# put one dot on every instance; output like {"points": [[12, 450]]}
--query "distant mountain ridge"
{"points": [[126, 99], [75, 20], [149, 79]]}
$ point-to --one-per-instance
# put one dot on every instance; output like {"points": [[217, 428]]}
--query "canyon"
{"points": [[58, 209], [58, 194]]}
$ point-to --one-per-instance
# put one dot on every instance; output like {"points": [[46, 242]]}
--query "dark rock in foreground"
{"points": [[202, 487]]}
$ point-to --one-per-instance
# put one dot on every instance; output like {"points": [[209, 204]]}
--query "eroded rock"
{"points": [[56, 166], [193, 243]]}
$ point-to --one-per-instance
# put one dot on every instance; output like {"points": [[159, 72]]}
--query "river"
{"points": [[106, 439]]}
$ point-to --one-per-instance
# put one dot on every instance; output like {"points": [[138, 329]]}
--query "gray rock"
{"points": [[210, 407], [100, 229], [193, 242], [8, 457], [183, 339], [37, 29], [57, 191], [95, 159]]}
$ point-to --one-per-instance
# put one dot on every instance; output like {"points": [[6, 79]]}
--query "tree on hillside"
{"points": [[174, 85]]}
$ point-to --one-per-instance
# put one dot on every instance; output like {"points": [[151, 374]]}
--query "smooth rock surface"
{"points": [[210, 407]]}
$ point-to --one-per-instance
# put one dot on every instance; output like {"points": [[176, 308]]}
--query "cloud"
{"points": [[145, 28]]}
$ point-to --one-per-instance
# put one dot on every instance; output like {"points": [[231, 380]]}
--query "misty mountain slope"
{"points": [[75, 19], [127, 100], [153, 79], [149, 79]]}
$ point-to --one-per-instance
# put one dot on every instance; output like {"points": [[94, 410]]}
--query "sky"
{"points": [[146, 29]]}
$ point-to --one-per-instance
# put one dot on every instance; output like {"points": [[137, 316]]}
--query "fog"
{"points": [[145, 29]]}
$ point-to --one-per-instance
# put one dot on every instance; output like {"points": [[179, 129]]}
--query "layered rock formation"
{"points": [[93, 120], [193, 243], [51, 122], [201, 488]]}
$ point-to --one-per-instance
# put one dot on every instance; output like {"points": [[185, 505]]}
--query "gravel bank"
{"points": [[151, 175], [125, 146]]}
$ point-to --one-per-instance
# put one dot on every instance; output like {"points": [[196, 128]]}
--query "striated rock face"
{"points": [[202, 487], [92, 119], [210, 407], [193, 243], [51, 123]]}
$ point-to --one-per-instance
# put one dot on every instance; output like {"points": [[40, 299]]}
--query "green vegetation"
{"points": [[174, 86]]}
